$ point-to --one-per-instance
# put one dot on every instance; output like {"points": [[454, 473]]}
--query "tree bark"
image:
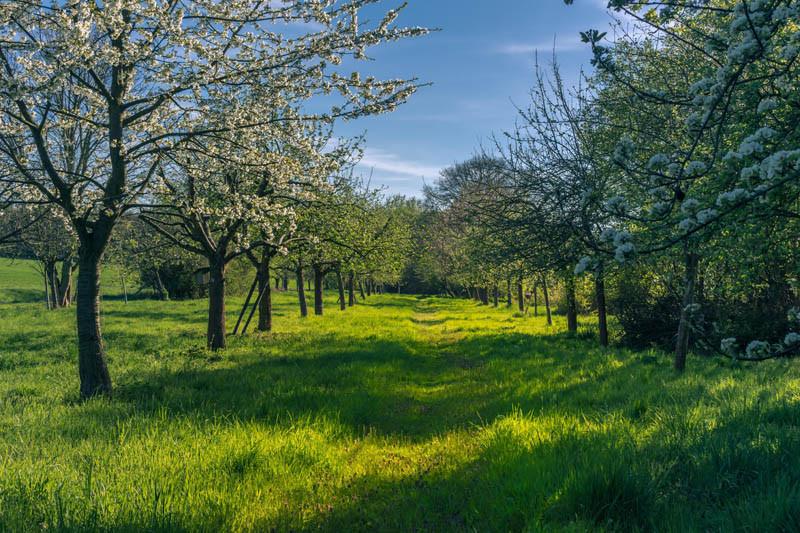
{"points": [[602, 317], [215, 334], [369, 287], [509, 299], [285, 281], [361, 290], [92, 368], [535, 294], [301, 292], [51, 273], [484, 291], [547, 302], [340, 287], [351, 288], [265, 303], [684, 327], [572, 305], [495, 296], [520, 296], [319, 279]]}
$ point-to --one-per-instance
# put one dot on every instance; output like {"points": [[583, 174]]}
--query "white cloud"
{"points": [[568, 44], [384, 162]]}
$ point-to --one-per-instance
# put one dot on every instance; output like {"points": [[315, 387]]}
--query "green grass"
{"points": [[401, 414]]}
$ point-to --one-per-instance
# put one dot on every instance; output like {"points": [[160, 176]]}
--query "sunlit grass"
{"points": [[401, 414]]}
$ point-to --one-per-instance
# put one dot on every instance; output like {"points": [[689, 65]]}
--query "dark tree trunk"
{"points": [[684, 327], [215, 334], [535, 294], [520, 296], [285, 281], [495, 296], [602, 318], [265, 303], [509, 299], [277, 282], [484, 295], [92, 368], [547, 302], [361, 290], [351, 288], [369, 287], [301, 293], [572, 305], [319, 279], [340, 287]]}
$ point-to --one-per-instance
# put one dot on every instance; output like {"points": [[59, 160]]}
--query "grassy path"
{"points": [[402, 414]]}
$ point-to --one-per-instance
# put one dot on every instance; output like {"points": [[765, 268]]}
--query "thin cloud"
{"points": [[382, 161], [570, 44]]}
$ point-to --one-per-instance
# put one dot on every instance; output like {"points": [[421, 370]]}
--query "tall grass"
{"points": [[400, 414]]}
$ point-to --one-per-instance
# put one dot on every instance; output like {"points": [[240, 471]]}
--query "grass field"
{"points": [[403, 413]]}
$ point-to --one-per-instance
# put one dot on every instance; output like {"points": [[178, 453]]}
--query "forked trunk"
{"points": [[215, 334], [319, 279], [65, 287], [340, 286], [265, 303], [602, 318], [301, 292], [92, 368], [684, 327]]}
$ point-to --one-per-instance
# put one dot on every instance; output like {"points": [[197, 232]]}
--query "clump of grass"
{"points": [[609, 495]]}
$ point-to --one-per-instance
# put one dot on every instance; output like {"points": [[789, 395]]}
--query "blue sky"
{"points": [[480, 65]]}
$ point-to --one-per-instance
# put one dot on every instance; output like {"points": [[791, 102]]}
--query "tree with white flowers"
{"points": [[96, 98]]}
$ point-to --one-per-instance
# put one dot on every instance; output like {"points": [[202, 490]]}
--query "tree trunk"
{"points": [[319, 279], [340, 286], [92, 368], [47, 297], [301, 292], [163, 293], [535, 295], [351, 288], [684, 327], [602, 318], [215, 334], [369, 287], [520, 296], [265, 303], [572, 305], [547, 302], [509, 299], [65, 287], [51, 271], [124, 286], [484, 295], [361, 290], [495, 296], [285, 281]]}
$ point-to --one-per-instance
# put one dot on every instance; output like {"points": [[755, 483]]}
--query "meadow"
{"points": [[404, 413]]}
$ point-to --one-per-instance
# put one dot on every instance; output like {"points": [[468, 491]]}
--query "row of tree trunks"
{"points": [[58, 286]]}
